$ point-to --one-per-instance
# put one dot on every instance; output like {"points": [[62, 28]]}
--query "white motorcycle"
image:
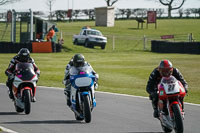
{"points": [[24, 87], [171, 93], [82, 92]]}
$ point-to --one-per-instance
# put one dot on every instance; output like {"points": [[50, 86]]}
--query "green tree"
{"points": [[110, 2], [3, 2], [172, 5]]}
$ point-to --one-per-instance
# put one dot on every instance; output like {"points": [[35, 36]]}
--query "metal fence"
{"points": [[130, 42], [115, 42]]}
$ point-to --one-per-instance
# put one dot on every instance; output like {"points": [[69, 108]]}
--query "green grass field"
{"points": [[126, 69]]}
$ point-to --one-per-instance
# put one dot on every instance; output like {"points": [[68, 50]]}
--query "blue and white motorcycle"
{"points": [[82, 92]]}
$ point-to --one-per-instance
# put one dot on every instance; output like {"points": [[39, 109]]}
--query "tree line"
{"points": [[89, 14]]}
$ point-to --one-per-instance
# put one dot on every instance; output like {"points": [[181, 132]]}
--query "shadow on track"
{"points": [[46, 122], [10, 113]]}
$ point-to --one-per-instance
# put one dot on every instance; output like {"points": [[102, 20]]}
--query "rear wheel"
{"points": [[18, 109], [76, 42], [86, 109], [27, 101], [178, 119], [166, 130]]}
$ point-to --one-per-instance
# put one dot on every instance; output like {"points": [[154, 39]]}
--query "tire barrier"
{"points": [[34, 47], [175, 47]]}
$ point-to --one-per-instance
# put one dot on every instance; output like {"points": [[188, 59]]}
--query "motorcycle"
{"points": [[82, 95], [171, 94], [24, 87]]}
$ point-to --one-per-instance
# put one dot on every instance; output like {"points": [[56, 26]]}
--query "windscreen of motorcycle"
{"points": [[171, 85], [24, 71], [80, 70], [81, 76]]}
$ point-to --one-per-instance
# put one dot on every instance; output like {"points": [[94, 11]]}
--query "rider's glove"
{"points": [[186, 88], [153, 96], [11, 76], [95, 85]]}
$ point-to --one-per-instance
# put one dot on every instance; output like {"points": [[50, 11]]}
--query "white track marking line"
{"points": [[7, 130], [113, 94], [119, 95]]}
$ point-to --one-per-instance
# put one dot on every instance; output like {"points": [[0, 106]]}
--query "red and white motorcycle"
{"points": [[24, 87], [171, 93]]}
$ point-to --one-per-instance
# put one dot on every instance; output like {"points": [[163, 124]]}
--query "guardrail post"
{"points": [[144, 42], [190, 39], [113, 42]]}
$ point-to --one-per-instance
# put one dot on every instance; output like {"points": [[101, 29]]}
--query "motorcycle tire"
{"points": [[165, 129], [86, 109], [27, 101], [18, 109], [178, 119]]}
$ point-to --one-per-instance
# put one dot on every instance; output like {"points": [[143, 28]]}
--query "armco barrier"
{"points": [[175, 47], [35, 47], [8, 47], [41, 47]]}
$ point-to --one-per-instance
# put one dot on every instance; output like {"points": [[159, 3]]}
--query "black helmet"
{"points": [[78, 60], [165, 68], [23, 55]]}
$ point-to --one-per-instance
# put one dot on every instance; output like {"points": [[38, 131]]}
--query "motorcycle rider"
{"points": [[23, 56], [165, 69], [78, 60]]}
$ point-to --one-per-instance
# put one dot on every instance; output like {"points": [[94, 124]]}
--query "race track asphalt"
{"points": [[113, 114]]}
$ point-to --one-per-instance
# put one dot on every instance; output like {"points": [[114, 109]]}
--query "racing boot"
{"points": [[10, 92], [33, 99], [155, 113], [155, 108], [67, 93], [68, 99]]}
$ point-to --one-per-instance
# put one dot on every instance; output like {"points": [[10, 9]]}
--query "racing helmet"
{"points": [[24, 54], [78, 60], [165, 68]]}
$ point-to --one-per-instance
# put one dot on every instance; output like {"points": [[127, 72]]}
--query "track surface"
{"points": [[113, 114]]}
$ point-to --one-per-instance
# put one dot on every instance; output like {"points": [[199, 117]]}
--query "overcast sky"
{"points": [[40, 5]]}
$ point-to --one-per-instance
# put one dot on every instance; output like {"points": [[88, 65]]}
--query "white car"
{"points": [[90, 38]]}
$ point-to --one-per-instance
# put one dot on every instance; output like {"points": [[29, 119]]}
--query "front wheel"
{"points": [[177, 118], [86, 43], [86, 109], [103, 46], [27, 101]]}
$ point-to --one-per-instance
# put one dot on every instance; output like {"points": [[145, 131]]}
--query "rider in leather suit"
{"points": [[166, 69], [78, 60], [22, 56]]}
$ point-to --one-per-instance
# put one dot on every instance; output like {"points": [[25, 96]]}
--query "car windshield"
{"points": [[94, 32]]}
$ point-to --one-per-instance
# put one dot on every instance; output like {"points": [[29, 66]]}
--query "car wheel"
{"points": [[103, 46], [86, 43], [76, 42]]}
